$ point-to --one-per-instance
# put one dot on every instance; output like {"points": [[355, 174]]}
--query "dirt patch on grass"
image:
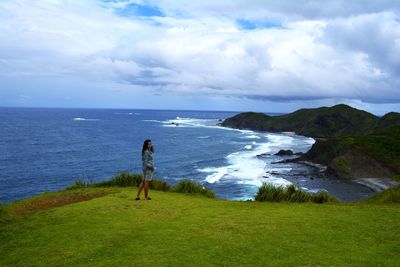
{"points": [[56, 201]]}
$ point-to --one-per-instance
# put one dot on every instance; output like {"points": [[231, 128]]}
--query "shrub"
{"points": [[159, 185], [123, 179], [291, 193], [268, 192], [322, 197], [190, 187], [295, 194], [79, 183]]}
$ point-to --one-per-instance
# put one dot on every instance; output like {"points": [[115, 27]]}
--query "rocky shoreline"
{"points": [[351, 144], [377, 184]]}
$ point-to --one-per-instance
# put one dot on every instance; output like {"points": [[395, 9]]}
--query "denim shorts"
{"points": [[147, 175]]}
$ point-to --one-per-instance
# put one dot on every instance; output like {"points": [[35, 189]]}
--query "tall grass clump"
{"points": [[159, 185], [391, 195], [190, 187], [291, 193], [79, 183], [323, 197], [123, 179]]}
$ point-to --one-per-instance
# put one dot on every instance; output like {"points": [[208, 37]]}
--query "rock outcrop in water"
{"points": [[284, 152]]}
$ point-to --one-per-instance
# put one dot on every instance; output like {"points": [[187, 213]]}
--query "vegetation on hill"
{"points": [[125, 179], [333, 121], [292, 193], [180, 230], [389, 196], [372, 155]]}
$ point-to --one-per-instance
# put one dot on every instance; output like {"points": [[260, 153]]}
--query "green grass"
{"points": [[292, 193], [181, 230], [190, 187], [391, 195], [4, 213]]}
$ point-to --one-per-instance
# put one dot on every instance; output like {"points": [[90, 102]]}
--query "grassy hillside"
{"points": [[333, 121], [110, 228], [373, 155]]}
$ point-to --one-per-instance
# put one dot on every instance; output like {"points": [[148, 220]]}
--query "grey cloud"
{"points": [[353, 57], [377, 35], [286, 9]]}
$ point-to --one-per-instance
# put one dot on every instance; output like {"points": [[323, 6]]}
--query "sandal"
{"points": [[137, 198], [149, 198]]}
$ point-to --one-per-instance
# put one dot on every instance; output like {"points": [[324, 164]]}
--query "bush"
{"points": [[123, 179], [291, 193], [79, 183], [323, 197], [190, 187], [159, 185], [268, 192]]}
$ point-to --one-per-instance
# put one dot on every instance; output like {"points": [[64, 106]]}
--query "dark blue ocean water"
{"points": [[48, 149]]}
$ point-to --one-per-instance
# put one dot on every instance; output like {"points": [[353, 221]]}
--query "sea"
{"points": [[48, 149]]}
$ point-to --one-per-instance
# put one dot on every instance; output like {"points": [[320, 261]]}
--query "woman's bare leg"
{"points": [[146, 189], [140, 188]]}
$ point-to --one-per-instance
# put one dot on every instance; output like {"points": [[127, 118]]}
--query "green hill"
{"points": [[110, 228], [319, 122], [363, 156]]}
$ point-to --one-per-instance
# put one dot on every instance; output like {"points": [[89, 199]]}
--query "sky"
{"points": [[254, 55]]}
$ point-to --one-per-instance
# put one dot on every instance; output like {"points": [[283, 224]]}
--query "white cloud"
{"points": [[333, 50]]}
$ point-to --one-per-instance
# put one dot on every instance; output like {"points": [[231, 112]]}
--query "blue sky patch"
{"points": [[140, 10], [252, 25]]}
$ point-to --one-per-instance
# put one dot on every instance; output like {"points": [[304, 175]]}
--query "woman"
{"points": [[148, 169]]}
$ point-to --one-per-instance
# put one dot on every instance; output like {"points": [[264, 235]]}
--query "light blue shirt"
{"points": [[147, 159]]}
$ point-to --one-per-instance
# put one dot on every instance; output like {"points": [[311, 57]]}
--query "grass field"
{"points": [[109, 228]]}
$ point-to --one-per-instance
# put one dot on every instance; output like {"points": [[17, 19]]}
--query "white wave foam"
{"points": [[252, 137], [231, 155], [277, 181], [279, 139], [204, 137], [84, 119], [126, 113], [217, 175], [190, 122], [152, 121], [243, 167], [193, 122], [310, 140]]}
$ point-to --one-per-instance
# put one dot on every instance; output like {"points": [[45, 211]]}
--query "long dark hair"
{"points": [[145, 145]]}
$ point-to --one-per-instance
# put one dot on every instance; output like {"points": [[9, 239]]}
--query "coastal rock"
{"points": [[263, 155], [283, 152], [358, 157]]}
